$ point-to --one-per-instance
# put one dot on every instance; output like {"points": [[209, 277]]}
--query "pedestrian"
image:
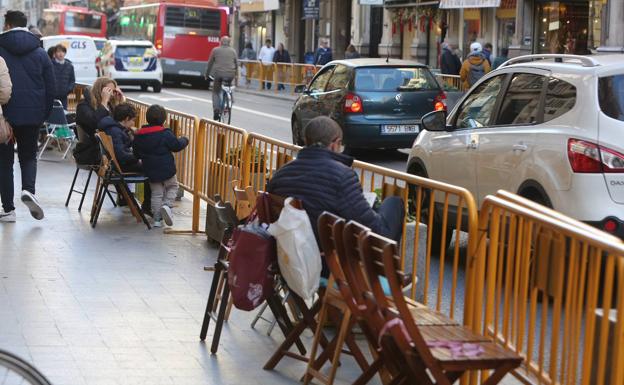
{"points": [[266, 57], [281, 56], [248, 54], [449, 61], [500, 59], [323, 54], [153, 144], [487, 52], [474, 67], [351, 52], [31, 102], [222, 66], [119, 128], [322, 178], [51, 51], [64, 74]]}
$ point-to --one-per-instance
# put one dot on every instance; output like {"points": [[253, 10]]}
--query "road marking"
{"points": [[164, 99], [236, 108]]}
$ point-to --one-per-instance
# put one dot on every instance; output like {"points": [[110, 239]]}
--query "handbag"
{"points": [[6, 131], [253, 257], [298, 254]]}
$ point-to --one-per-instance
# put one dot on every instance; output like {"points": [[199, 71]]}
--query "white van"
{"points": [[81, 51]]}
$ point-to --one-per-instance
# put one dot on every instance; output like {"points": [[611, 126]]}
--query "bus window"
{"points": [[82, 22], [194, 18], [50, 23]]}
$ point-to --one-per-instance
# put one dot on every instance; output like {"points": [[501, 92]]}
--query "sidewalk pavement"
{"points": [[253, 88]]}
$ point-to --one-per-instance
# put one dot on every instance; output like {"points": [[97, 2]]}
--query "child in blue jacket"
{"points": [[153, 144]]}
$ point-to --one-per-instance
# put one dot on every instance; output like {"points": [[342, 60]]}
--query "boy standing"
{"points": [[153, 144]]}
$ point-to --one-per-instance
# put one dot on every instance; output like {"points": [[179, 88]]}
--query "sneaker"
{"points": [[7, 217], [167, 215], [157, 224], [33, 205]]}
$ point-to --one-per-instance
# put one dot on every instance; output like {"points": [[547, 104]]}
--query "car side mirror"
{"points": [[434, 121], [301, 89]]}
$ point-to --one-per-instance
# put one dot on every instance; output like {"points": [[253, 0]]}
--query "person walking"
{"points": [[351, 52], [449, 61], [500, 59], [487, 52], [31, 102], [248, 54], [266, 57], [474, 67], [222, 66], [281, 56], [323, 54], [64, 74]]}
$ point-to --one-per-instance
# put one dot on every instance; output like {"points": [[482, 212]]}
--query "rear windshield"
{"points": [[611, 96], [394, 79], [132, 51], [192, 17]]}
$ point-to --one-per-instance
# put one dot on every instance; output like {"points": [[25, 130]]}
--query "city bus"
{"points": [[183, 32], [67, 20]]}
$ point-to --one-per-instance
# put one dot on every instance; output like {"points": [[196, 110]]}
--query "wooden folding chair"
{"points": [[109, 173], [333, 299], [434, 354]]}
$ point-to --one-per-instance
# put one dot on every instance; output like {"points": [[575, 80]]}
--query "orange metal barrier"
{"points": [[288, 74], [74, 97], [553, 291], [452, 81], [185, 125]]}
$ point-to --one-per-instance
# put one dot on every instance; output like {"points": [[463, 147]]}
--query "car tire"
{"points": [[157, 87], [437, 231], [536, 193], [296, 132], [143, 87]]}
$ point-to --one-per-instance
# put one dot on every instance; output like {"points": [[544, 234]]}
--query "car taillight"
{"points": [[353, 103], [587, 157], [159, 44], [438, 102]]}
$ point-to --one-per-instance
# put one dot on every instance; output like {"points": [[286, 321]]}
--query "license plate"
{"points": [[391, 129], [135, 61], [191, 73]]}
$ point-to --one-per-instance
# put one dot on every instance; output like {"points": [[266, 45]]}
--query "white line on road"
{"points": [[164, 99], [237, 108]]}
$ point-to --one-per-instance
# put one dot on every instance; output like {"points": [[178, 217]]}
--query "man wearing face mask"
{"points": [[322, 178], [64, 74]]}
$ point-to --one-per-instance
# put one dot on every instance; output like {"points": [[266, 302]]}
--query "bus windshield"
{"points": [[193, 18], [83, 22]]}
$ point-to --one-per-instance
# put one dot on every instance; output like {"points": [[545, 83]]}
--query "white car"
{"points": [[547, 127], [131, 62], [81, 51]]}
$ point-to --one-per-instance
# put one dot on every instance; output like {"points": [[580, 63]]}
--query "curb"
{"points": [[270, 94]]}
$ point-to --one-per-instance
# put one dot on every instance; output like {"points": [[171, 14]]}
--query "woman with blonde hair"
{"points": [[98, 102]]}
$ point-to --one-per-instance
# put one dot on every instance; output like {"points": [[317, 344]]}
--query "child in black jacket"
{"points": [[119, 128], [153, 144]]}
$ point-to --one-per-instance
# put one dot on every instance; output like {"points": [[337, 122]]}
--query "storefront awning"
{"points": [[258, 5], [455, 4]]}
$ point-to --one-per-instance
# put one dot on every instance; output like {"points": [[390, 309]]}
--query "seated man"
{"points": [[322, 178]]}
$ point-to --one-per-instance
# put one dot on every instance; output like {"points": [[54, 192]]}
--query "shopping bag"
{"points": [[298, 255]]}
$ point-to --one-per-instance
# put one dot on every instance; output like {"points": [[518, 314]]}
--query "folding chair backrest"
{"points": [[245, 199], [105, 162], [350, 259], [225, 213], [108, 150], [326, 224], [57, 116]]}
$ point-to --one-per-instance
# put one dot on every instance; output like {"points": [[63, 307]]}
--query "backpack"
{"points": [[476, 73]]}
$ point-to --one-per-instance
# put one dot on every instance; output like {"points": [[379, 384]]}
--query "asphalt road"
{"points": [[261, 114]]}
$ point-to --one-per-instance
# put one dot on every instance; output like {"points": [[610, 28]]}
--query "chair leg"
{"points": [[281, 317], [98, 208], [70, 143], [84, 191], [71, 189], [340, 338], [110, 196], [211, 300], [45, 144], [98, 186], [315, 343], [220, 318]]}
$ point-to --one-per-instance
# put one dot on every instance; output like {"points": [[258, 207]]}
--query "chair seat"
{"points": [[493, 355], [130, 179]]}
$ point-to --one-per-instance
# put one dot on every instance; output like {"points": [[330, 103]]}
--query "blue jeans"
{"points": [[26, 138]]}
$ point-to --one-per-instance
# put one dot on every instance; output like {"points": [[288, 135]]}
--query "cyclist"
{"points": [[222, 66]]}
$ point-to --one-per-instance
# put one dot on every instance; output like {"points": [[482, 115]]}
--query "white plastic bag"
{"points": [[298, 254]]}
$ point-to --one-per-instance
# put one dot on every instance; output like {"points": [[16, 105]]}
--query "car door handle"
{"points": [[520, 147]]}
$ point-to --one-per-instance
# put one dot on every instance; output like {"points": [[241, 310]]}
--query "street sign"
{"points": [[311, 9]]}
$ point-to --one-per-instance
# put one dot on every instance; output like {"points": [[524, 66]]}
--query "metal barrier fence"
{"points": [[287, 74], [452, 81], [553, 291]]}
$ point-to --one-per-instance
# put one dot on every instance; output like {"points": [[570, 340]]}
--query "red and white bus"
{"points": [[67, 20], [184, 32]]}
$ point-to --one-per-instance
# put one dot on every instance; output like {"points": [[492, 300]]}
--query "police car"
{"points": [[81, 51], [132, 63]]}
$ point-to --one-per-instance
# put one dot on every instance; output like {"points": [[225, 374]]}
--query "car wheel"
{"points": [[437, 243], [157, 87], [296, 132], [143, 87], [536, 194]]}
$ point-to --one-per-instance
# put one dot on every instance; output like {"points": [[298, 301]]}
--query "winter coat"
{"points": [[87, 117], [32, 77], [472, 60], [498, 61], [323, 56], [223, 63], [281, 56], [122, 143], [449, 62], [153, 145], [5, 83], [324, 181], [65, 78]]}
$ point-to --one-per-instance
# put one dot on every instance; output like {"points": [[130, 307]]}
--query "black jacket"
{"points": [[281, 57], [154, 144], [32, 76], [88, 117], [65, 78], [121, 140], [324, 181], [449, 62]]}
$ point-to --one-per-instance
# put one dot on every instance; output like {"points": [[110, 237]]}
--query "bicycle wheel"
{"points": [[14, 371], [226, 109]]}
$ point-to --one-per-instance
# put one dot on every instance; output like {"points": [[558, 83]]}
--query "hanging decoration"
{"points": [[414, 17]]}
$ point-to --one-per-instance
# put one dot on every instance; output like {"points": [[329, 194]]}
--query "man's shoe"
{"points": [[33, 205], [7, 217], [167, 215], [216, 116], [157, 224]]}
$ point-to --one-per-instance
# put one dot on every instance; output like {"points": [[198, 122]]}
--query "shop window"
{"points": [[560, 98], [521, 102], [562, 27]]}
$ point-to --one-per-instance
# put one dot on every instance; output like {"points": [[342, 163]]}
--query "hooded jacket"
{"points": [[474, 59], [121, 140], [32, 76], [65, 78], [449, 62], [153, 145]]}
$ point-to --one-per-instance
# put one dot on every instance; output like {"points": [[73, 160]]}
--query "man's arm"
{"points": [[72, 79], [211, 60], [352, 204]]}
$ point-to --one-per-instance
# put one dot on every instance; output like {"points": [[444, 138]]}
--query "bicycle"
{"points": [[14, 370], [227, 100]]}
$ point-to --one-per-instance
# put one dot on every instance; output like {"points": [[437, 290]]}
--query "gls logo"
{"points": [[78, 44], [617, 183]]}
